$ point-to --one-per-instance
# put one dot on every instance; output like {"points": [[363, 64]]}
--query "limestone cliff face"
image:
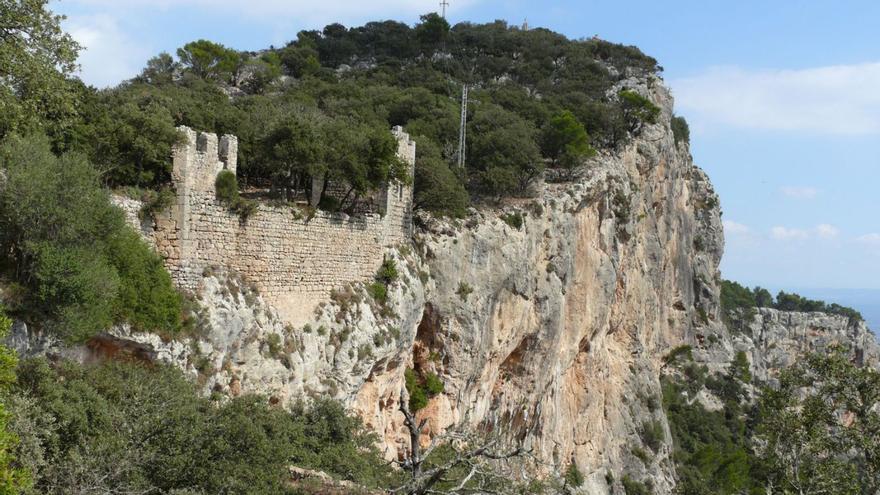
{"points": [[552, 333], [546, 319]]}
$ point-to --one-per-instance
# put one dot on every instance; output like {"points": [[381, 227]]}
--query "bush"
{"points": [[515, 220], [573, 476], [633, 487], [378, 292], [420, 388], [126, 427], [652, 434], [680, 130], [226, 187], [83, 268]]}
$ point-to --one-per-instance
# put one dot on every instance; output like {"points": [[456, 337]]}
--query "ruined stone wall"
{"points": [[293, 260]]}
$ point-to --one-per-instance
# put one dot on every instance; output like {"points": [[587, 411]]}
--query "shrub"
{"points": [[155, 202], [652, 434], [464, 290], [680, 130], [633, 487], [421, 388], [387, 272], [515, 220], [573, 476], [684, 351], [433, 384], [226, 187], [378, 292], [128, 427]]}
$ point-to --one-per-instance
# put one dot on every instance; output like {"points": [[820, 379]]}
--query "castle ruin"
{"points": [[295, 261]]}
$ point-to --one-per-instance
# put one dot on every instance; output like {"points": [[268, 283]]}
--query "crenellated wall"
{"points": [[294, 261]]}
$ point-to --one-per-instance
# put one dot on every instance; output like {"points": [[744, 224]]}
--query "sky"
{"points": [[782, 98]]}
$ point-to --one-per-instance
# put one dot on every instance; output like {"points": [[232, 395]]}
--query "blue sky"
{"points": [[782, 98]]}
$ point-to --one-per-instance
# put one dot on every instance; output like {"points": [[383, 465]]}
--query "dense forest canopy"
{"points": [[318, 107]]}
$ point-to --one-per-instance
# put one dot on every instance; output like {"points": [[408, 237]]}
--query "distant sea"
{"points": [[865, 301]]}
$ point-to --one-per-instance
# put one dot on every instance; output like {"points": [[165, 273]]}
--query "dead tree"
{"points": [[476, 456]]}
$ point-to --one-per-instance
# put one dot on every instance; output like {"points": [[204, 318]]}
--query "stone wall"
{"points": [[294, 261]]}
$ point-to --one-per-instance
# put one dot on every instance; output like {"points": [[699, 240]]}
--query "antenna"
{"points": [[443, 5], [462, 133]]}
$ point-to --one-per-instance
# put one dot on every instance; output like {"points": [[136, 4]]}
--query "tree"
{"points": [[295, 151], [131, 427], [209, 60], [503, 151], [83, 266], [763, 298], [565, 141], [819, 431], [637, 110], [37, 58], [161, 69], [432, 30], [454, 463], [437, 188]]}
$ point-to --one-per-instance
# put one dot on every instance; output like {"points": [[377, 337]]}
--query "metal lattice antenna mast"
{"points": [[462, 133], [443, 5]]}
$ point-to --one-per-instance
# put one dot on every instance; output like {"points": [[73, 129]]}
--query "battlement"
{"points": [[201, 156], [295, 260]]}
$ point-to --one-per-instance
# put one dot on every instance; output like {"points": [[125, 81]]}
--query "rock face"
{"points": [[546, 319], [775, 339]]}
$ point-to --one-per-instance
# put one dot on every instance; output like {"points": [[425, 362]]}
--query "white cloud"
{"points": [[108, 55], [787, 234], [839, 99], [826, 231], [799, 192], [734, 228], [822, 231]]}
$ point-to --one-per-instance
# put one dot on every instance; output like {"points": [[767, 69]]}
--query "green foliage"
{"points": [[565, 141], [502, 152], [738, 304], [387, 272], [681, 132], [515, 219], [379, 292], [82, 266], [682, 351], [418, 396], [652, 434], [155, 202], [433, 385], [209, 60], [226, 187], [437, 188], [421, 387], [37, 58], [124, 427], [464, 290], [819, 431], [637, 110], [634, 487], [13, 477], [573, 476], [712, 449]]}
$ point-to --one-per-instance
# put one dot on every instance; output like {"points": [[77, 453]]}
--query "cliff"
{"points": [[547, 318]]}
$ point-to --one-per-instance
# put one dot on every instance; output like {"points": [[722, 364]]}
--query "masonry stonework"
{"points": [[294, 261]]}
